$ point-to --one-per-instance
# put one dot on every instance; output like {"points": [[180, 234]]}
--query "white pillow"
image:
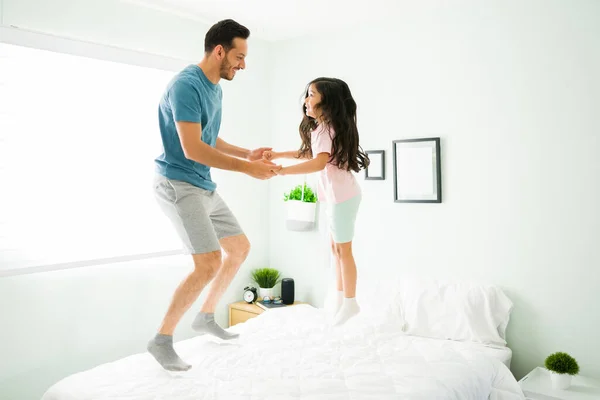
{"points": [[456, 311], [379, 301]]}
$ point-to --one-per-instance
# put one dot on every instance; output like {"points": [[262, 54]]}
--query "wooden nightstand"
{"points": [[537, 386], [241, 311]]}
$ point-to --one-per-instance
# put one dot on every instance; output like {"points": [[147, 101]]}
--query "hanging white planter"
{"points": [[301, 215]]}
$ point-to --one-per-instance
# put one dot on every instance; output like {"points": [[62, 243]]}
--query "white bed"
{"points": [[292, 353]]}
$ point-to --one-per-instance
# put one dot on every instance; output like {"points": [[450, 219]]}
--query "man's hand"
{"points": [[261, 169], [257, 154]]}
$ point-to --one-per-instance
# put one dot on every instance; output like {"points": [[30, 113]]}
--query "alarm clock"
{"points": [[250, 294]]}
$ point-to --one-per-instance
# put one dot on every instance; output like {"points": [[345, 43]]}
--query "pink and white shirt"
{"points": [[335, 185]]}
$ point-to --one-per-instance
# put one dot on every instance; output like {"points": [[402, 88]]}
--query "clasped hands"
{"points": [[261, 166]]}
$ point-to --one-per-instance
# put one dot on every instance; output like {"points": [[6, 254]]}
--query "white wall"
{"points": [[512, 88], [57, 323]]}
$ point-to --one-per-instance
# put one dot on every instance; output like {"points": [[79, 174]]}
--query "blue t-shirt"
{"points": [[189, 97]]}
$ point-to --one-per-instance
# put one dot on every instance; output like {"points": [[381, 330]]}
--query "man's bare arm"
{"points": [[190, 134], [232, 150]]}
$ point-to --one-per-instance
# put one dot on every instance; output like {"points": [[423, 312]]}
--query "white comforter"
{"points": [[292, 354]]}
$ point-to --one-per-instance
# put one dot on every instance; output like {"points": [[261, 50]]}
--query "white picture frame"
{"points": [[417, 170]]}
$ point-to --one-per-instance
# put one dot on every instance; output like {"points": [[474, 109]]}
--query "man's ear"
{"points": [[219, 52]]}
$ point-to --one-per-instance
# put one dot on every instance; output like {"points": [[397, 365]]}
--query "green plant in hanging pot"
{"points": [[266, 279], [296, 194], [563, 367], [301, 204]]}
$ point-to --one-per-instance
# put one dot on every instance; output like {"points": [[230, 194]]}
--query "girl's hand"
{"points": [[280, 171], [257, 154], [269, 155]]}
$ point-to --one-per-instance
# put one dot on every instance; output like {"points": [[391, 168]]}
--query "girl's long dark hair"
{"points": [[338, 110]]}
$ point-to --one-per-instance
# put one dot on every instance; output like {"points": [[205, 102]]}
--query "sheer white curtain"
{"points": [[77, 141]]}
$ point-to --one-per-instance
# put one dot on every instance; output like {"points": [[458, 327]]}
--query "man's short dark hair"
{"points": [[222, 33]]}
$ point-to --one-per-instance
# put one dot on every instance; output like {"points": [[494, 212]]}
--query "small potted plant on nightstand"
{"points": [[563, 367], [266, 279]]}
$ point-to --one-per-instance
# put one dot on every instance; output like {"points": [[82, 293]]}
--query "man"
{"points": [[189, 119]]}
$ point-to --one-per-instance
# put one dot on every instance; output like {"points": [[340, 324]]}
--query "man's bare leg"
{"points": [[235, 251], [161, 347]]}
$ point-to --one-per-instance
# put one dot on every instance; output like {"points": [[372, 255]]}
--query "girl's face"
{"points": [[311, 101]]}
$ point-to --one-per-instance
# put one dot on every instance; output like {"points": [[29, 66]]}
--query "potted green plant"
{"points": [[563, 367], [301, 208], [266, 279]]}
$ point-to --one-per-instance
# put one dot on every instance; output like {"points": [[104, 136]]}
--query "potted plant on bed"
{"points": [[266, 279], [563, 367], [301, 204]]}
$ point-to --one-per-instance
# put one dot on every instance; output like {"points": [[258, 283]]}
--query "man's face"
{"points": [[234, 59]]}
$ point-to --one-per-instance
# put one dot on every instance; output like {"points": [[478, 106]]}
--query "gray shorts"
{"points": [[200, 217]]}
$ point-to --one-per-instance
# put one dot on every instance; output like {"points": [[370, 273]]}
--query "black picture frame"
{"points": [[421, 182], [379, 159]]}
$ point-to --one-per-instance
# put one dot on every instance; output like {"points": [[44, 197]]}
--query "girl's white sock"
{"points": [[349, 309]]}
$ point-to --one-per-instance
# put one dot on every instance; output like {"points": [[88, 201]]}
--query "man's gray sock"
{"points": [[205, 323], [161, 347]]}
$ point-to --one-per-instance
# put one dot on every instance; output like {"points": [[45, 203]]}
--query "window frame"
{"points": [[57, 44]]}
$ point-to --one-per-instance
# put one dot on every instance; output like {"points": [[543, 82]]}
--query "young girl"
{"points": [[330, 140]]}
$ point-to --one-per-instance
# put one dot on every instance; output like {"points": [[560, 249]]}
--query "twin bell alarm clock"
{"points": [[250, 295]]}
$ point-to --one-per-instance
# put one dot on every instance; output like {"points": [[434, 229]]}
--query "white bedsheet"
{"points": [[292, 354]]}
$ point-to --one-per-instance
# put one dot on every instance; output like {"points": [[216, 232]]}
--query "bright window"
{"points": [[78, 137]]}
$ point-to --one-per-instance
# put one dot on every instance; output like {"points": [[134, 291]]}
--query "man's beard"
{"points": [[225, 68]]}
